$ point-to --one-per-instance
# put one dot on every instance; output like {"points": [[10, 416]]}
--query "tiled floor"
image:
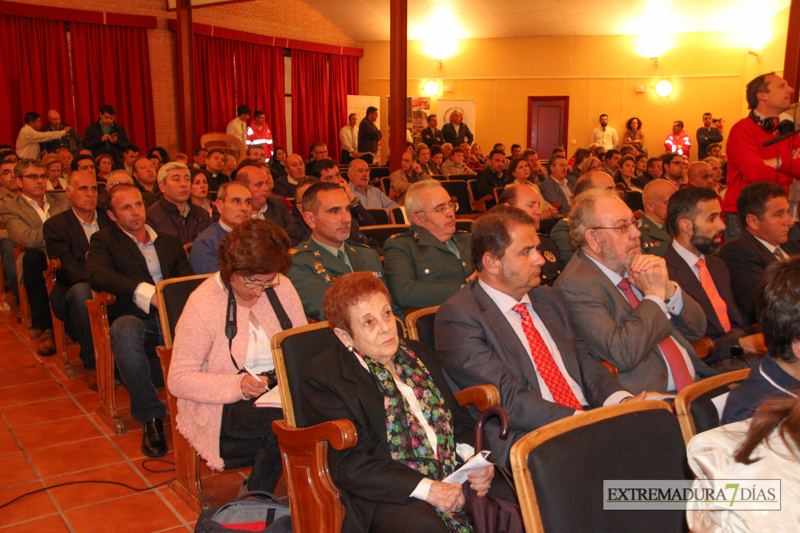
{"points": [[49, 434]]}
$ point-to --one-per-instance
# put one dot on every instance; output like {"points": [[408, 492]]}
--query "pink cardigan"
{"points": [[201, 374]]}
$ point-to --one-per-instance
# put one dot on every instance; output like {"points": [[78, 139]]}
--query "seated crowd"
{"points": [[608, 258]]}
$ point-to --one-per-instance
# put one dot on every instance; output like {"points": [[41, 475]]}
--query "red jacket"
{"points": [[745, 160], [680, 144], [261, 138]]}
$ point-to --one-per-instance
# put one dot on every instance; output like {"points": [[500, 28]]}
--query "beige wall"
{"points": [[599, 74]]}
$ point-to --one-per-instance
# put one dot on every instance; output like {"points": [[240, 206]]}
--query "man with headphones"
{"points": [[749, 161]]}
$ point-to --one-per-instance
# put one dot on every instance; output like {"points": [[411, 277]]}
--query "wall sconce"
{"points": [[664, 88], [754, 54], [440, 63], [655, 60], [431, 88]]}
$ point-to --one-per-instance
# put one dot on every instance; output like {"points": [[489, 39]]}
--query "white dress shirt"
{"points": [[348, 138], [44, 213], [607, 138], [772, 248], [89, 228], [144, 291], [28, 141], [674, 307], [237, 128]]}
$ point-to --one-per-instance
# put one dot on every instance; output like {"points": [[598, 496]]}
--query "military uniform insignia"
{"points": [[352, 249], [427, 271], [549, 256], [316, 252], [318, 267], [378, 274], [329, 278]]}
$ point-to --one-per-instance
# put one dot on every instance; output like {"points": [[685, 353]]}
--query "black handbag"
{"points": [[252, 511]]}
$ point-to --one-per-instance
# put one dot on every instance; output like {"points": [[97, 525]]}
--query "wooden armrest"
{"points": [[704, 347], [341, 434], [611, 368], [481, 396]]}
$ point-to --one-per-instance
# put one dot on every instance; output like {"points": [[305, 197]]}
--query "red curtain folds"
{"points": [[260, 84], [310, 102], [344, 81], [35, 73], [111, 65], [214, 84]]}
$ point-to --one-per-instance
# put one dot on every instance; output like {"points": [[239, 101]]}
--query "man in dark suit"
{"points": [[233, 204], [457, 132], [763, 211], [106, 136], [490, 177], [503, 330], [431, 135], [694, 217], [623, 304], [23, 218], [215, 169], [368, 135], [66, 238], [555, 187], [128, 260]]}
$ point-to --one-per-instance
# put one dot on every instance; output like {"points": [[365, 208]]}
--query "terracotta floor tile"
{"points": [[76, 385], [29, 507], [135, 514], [178, 504], [8, 335], [131, 442], [16, 355], [47, 411], [34, 392], [15, 470], [73, 496], [181, 529], [89, 401], [8, 444], [55, 433], [153, 477], [74, 456], [51, 524], [23, 376]]}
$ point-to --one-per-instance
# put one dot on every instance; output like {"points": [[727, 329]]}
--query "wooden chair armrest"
{"points": [[341, 434], [481, 396], [704, 347], [611, 368]]}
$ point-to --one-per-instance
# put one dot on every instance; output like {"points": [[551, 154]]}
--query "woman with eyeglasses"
{"points": [[216, 353]]}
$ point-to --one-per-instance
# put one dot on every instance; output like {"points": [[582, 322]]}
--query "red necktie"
{"points": [[545, 363], [677, 365], [711, 291]]}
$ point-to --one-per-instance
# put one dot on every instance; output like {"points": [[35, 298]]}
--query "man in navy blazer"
{"points": [[694, 218], [763, 211], [66, 238], [480, 336], [234, 206]]}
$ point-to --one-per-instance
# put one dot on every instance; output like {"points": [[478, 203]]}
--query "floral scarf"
{"points": [[407, 439]]}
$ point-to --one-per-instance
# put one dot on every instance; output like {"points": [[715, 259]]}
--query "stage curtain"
{"points": [[344, 81], [260, 84], [310, 102], [111, 65], [214, 84], [35, 73]]}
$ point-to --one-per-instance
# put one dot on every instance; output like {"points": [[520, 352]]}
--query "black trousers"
{"points": [[345, 159], [241, 420], [34, 263], [367, 157]]}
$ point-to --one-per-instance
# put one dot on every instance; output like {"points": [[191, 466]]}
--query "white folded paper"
{"points": [[271, 398], [476, 462]]}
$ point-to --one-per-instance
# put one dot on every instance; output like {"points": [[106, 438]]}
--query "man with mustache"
{"points": [[623, 304], [694, 216]]}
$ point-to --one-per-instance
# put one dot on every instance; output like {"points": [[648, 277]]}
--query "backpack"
{"points": [[263, 513]]}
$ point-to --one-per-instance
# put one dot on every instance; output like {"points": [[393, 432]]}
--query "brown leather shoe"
{"points": [[47, 346], [34, 334], [91, 379]]}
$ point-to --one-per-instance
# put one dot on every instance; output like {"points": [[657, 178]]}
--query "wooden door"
{"points": [[547, 123]]}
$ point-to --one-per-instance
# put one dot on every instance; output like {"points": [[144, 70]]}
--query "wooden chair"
{"points": [[313, 498], [187, 248], [227, 143], [420, 326], [703, 347], [459, 190], [379, 215], [695, 405], [386, 183], [381, 234], [379, 172], [497, 192], [566, 462], [59, 331], [104, 358], [438, 177], [464, 224], [24, 306], [398, 216], [478, 204]]}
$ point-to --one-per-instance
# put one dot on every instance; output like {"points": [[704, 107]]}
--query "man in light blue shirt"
{"points": [[371, 197]]}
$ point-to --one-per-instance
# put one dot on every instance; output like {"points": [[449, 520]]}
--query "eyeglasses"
{"points": [[623, 229], [443, 209], [35, 176], [252, 284], [6, 173]]}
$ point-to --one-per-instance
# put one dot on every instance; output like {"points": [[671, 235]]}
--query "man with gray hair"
{"points": [[173, 213], [431, 261], [623, 304], [401, 179]]}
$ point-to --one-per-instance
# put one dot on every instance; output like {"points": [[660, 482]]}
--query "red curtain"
{"points": [[344, 81], [214, 84], [35, 73], [111, 65], [260, 84], [310, 103]]}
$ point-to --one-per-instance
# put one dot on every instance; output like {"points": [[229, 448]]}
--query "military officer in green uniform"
{"points": [[655, 237], [327, 254], [527, 199], [429, 263]]}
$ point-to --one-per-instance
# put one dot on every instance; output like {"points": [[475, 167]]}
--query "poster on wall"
{"points": [[467, 107], [419, 107]]}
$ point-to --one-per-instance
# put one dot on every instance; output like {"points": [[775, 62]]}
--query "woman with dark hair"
{"points": [[641, 166], [163, 156], [436, 160], [199, 191], [104, 165], [209, 372], [634, 134], [277, 166], [412, 432], [518, 172], [626, 175]]}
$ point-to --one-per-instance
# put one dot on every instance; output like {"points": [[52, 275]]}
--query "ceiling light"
{"points": [[431, 88], [664, 88]]}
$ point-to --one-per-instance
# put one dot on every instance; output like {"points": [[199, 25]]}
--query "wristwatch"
{"points": [[356, 201]]}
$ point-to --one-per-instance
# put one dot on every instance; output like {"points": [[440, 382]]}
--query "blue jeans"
{"points": [[77, 323], [732, 227], [9, 267], [132, 340]]}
